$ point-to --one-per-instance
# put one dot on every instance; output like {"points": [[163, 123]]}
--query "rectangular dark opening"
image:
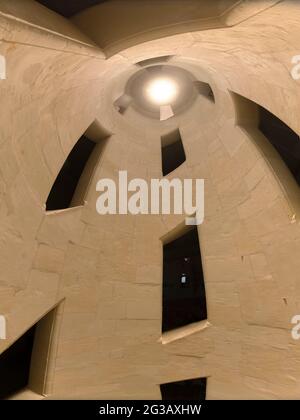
{"points": [[68, 8], [283, 138], [173, 154], [184, 299], [192, 389], [24, 364], [64, 187], [71, 185], [15, 365]]}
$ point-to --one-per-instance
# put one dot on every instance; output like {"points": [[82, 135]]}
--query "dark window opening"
{"points": [[15, 365], [173, 154], [24, 364], [205, 90], [69, 8], [184, 300], [64, 187], [278, 143], [73, 180], [193, 390], [283, 138]]}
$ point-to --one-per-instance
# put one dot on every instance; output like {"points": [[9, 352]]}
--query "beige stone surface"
{"points": [[108, 269]]}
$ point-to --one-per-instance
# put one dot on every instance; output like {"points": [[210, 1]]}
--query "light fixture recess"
{"points": [[162, 91]]}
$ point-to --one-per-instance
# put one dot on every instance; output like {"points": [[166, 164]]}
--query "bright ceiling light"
{"points": [[162, 91]]}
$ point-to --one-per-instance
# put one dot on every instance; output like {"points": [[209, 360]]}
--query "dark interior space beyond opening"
{"points": [[64, 187], [283, 138], [184, 300], [193, 389], [68, 8], [173, 154], [15, 365]]}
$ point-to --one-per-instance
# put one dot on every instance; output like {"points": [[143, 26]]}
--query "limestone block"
{"points": [[49, 259]]}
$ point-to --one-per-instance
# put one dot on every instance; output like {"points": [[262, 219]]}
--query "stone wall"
{"points": [[105, 272]]}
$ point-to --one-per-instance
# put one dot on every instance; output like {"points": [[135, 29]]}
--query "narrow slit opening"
{"points": [[184, 298], [23, 366], [71, 185], [173, 153]]}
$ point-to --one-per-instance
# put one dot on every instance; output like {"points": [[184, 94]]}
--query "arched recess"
{"points": [[278, 144], [72, 183]]}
